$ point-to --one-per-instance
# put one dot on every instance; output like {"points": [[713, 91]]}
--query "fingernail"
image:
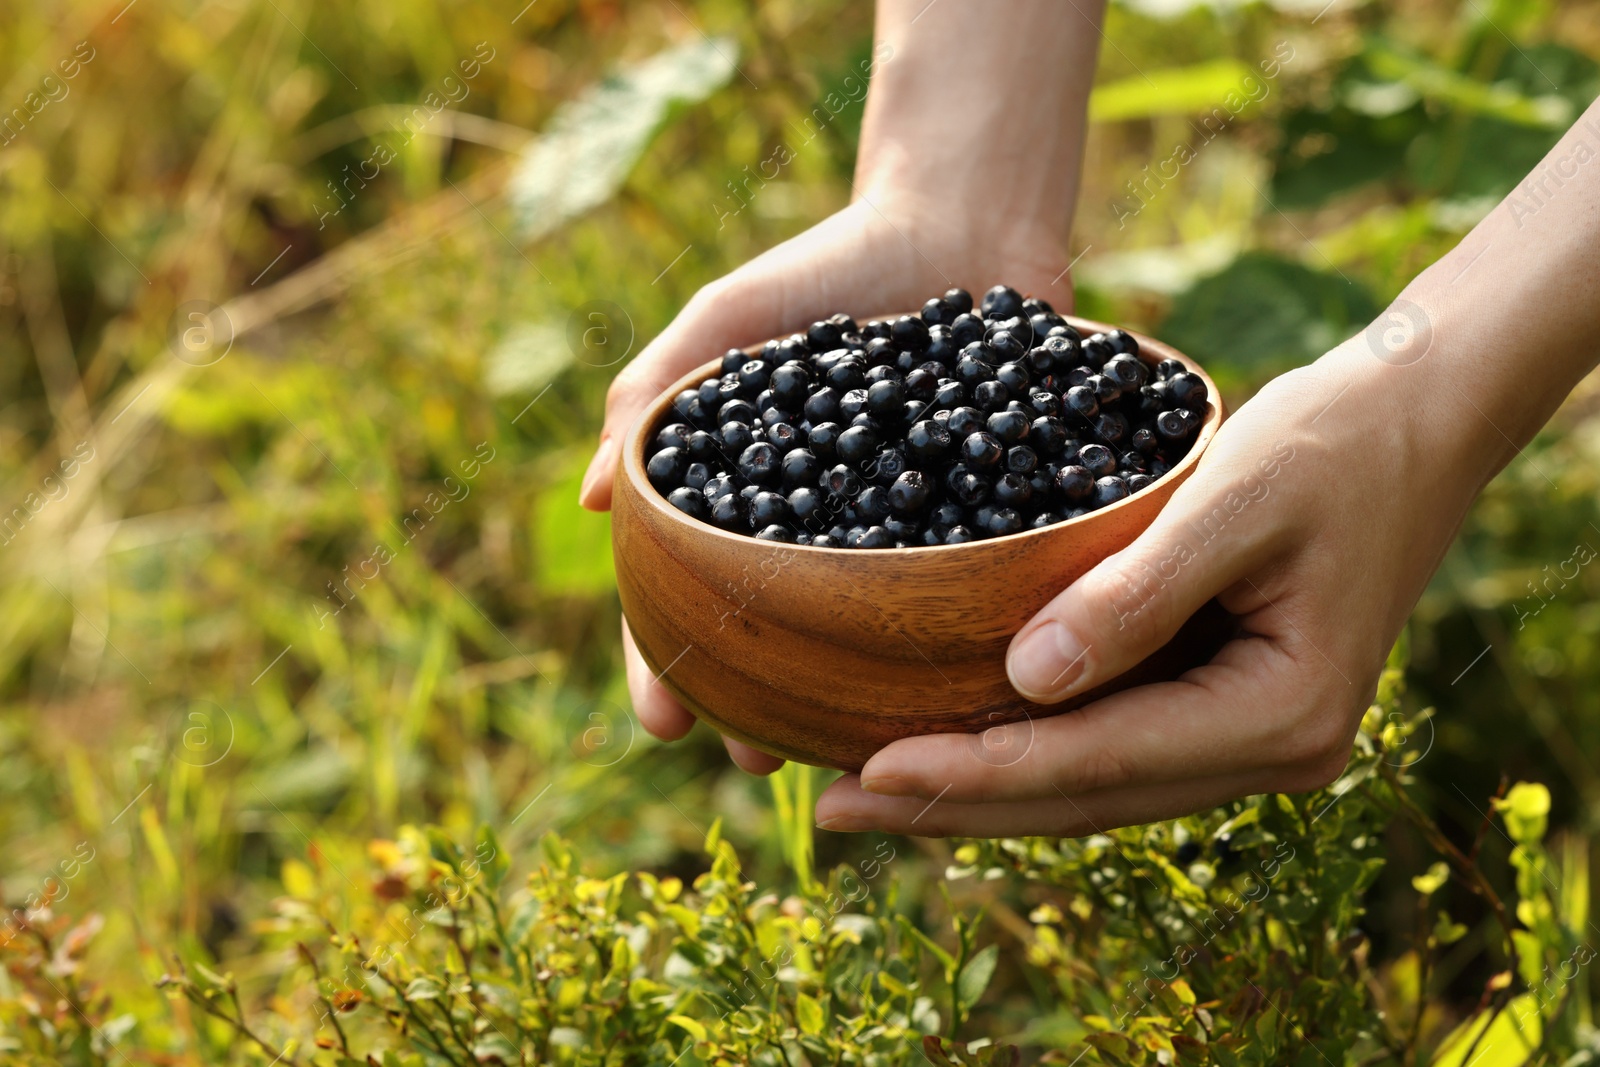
{"points": [[600, 468], [1048, 664], [889, 785], [845, 824]]}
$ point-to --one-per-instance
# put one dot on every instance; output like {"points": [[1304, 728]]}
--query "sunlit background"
{"points": [[294, 401]]}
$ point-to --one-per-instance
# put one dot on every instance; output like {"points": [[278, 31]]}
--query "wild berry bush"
{"points": [[1229, 938]]}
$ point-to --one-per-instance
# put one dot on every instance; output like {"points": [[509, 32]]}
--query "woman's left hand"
{"points": [[1317, 516]]}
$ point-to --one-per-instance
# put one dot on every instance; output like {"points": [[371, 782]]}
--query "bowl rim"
{"points": [[632, 465]]}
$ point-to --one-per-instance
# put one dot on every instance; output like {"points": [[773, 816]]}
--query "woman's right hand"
{"points": [[882, 255]]}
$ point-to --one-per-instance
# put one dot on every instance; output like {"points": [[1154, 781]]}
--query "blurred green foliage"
{"points": [[302, 590]]}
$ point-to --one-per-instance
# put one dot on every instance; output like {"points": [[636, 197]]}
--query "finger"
{"points": [[716, 319], [766, 297], [1253, 707], [1208, 538], [659, 712], [845, 807], [751, 760]]}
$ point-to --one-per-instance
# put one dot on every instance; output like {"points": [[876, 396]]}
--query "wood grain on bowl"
{"points": [[825, 655]]}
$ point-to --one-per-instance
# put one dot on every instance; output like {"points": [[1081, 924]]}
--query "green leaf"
{"points": [[976, 975], [693, 1027], [1510, 1039], [423, 988], [590, 145], [1430, 883], [1263, 312], [492, 858], [522, 920], [1446, 931], [946, 961], [809, 1013], [1218, 83], [1526, 811]]}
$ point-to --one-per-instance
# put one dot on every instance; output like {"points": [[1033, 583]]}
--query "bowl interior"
{"points": [[1151, 351]]}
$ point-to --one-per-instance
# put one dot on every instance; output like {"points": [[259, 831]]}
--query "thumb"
{"points": [[785, 288], [718, 315], [1209, 537]]}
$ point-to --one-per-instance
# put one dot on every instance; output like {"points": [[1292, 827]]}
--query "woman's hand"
{"points": [[1317, 516], [884, 253], [966, 180]]}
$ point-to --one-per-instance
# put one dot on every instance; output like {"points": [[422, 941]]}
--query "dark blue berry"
{"points": [[1014, 376], [1109, 490], [791, 384], [1012, 490], [1011, 427], [842, 481], [1081, 401], [909, 493], [1122, 342], [1098, 459], [759, 464], [972, 372], [966, 420], [1021, 460], [857, 445], [767, 509], [1047, 435], [959, 299], [823, 336], [1188, 391], [1075, 483], [966, 487], [1127, 371], [885, 398], [874, 537], [667, 468], [729, 513], [966, 329], [1007, 346], [928, 440], [991, 396], [1003, 521], [1112, 428], [776, 532], [909, 333], [959, 535], [1001, 302], [801, 467], [872, 504], [736, 410], [981, 450], [690, 501], [823, 439], [920, 384], [806, 505], [847, 374]]}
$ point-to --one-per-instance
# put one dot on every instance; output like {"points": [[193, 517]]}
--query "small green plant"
{"points": [[1229, 938]]}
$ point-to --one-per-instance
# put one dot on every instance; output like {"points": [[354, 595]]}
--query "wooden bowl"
{"points": [[825, 655]]}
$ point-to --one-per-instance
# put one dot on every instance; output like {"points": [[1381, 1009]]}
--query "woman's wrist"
{"points": [[963, 121]]}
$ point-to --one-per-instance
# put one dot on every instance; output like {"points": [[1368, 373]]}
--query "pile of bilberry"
{"points": [[933, 429]]}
